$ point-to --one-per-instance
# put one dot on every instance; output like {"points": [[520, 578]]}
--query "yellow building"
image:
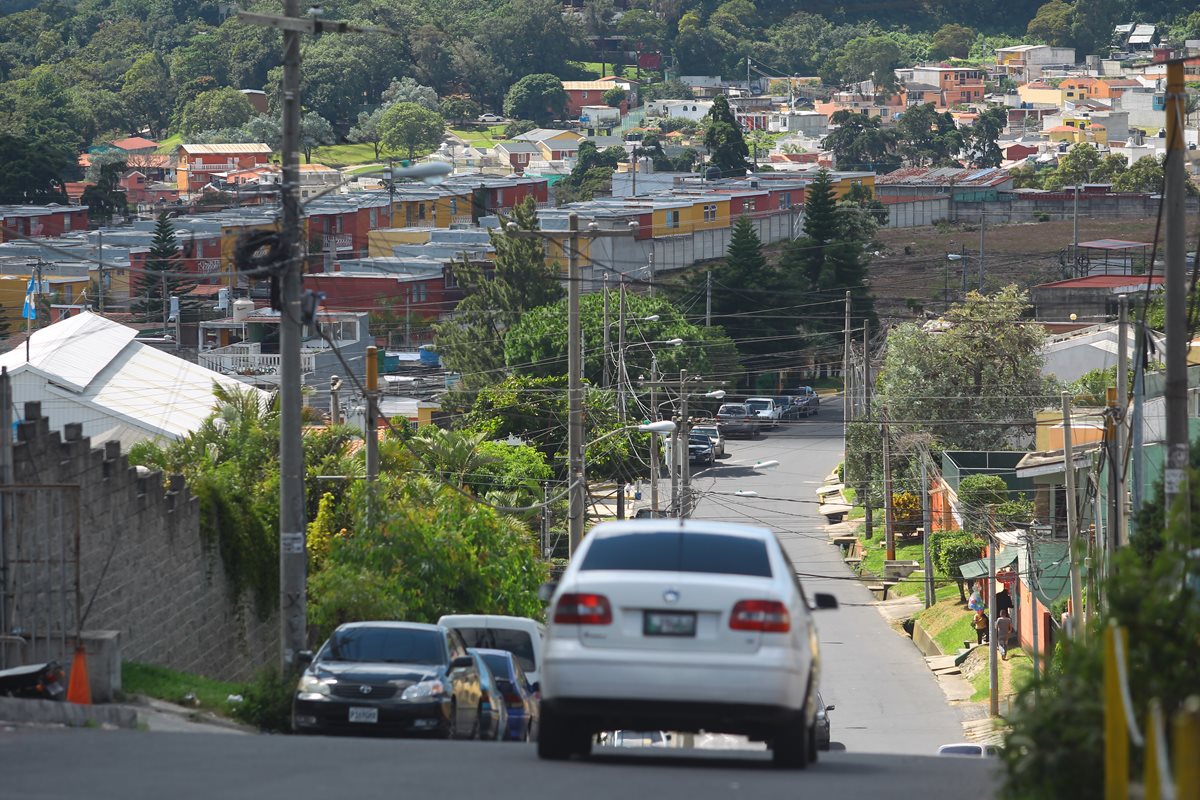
{"points": [[380, 242], [1040, 92], [56, 290]]}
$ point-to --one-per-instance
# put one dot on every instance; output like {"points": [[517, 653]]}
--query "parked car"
{"points": [[516, 695], [650, 620], [808, 397], [969, 749], [791, 409], [520, 636], [765, 409], [700, 449], [823, 727], [493, 712], [736, 419], [393, 677], [713, 432], [491, 118]]}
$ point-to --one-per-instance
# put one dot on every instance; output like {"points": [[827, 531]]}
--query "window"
{"points": [[750, 206], [516, 642], [453, 205], [399, 645], [671, 551], [710, 213], [785, 200], [66, 222], [450, 282], [419, 293], [672, 219], [420, 211], [374, 218]]}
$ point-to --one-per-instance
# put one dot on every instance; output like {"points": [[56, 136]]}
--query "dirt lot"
{"points": [[912, 271]]}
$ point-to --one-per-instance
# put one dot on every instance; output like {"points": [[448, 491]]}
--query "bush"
{"points": [[976, 493], [267, 702], [906, 512]]}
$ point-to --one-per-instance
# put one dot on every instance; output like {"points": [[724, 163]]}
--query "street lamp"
{"points": [[656, 427]]}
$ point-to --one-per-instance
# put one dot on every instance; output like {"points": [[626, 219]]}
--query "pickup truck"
{"points": [[765, 409]]}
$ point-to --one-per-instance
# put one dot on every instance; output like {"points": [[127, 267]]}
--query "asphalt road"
{"points": [[887, 700], [94, 764]]}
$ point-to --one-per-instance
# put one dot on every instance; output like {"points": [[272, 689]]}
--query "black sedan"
{"points": [[390, 677], [700, 449]]}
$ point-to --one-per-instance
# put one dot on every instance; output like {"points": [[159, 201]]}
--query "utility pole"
{"points": [[652, 268], [1135, 434], [1112, 447], [1075, 231], [846, 410], [607, 346], [372, 431], [708, 299], [982, 240], [574, 388], [335, 403], [1072, 520], [868, 517], [653, 436], [622, 374], [634, 170], [993, 667], [1175, 475], [927, 530], [889, 519], [1122, 417], [681, 436], [100, 269], [6, 500], [408, 318]]}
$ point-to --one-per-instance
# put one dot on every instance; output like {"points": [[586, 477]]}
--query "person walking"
{"points": [[1004, 631], [981, 624]]}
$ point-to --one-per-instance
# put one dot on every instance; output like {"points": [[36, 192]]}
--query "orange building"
{"points": [[197, 163]]}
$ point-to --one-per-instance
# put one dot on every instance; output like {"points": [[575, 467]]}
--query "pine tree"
{"points": [[820, 209], [727, 148], [162, 276]]}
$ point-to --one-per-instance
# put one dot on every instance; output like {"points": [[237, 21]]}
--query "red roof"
{"points": [[1103, 282], [134, 143]]}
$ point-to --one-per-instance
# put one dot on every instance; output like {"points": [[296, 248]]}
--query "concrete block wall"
{"points": [[144, 568]]}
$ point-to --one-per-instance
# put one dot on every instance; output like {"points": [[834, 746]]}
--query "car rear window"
{"points": [[671, 551], [732, 411], [498, 665], [758, 405], [514, 641], [391, 645]]}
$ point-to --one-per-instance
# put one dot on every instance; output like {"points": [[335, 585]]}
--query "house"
{"points": [[591, 93], [517, 154], [196, 163], [694, 110], [1068, 356], [90, 370], [1135, 37], [969, 185], [1093, 297], [1026, 62], [135, 144], [418, 297], [19, 222], [953, 85], [245, 347]]}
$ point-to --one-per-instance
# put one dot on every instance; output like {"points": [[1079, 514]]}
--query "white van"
{"points": [[520, 636], [765, 409]]}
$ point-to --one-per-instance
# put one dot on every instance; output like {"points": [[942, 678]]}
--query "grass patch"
{"points": [[850, 494], [874, 555], [480, 138], [593, 68], [982, 683], [168, 145], [168, 684], [344, 155], [857, 512], [948, 622]]}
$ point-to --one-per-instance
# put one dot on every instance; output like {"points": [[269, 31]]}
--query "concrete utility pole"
{"points": [[335, 403], [1122, 418], [889, 518], [868, 517], [574, 388], [100, 270], [1175, 475], [681, 436], [604, 381], [847, 411], [372, 431], [993, 667], [982, 241], [622, 373], [708, 299], [1072, 520], [927, 529], [652, 268], [6, 501], [1075, 231], [653, 436]]}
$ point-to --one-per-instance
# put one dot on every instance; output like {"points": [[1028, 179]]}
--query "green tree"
{"points": [[673, 89], [951, 41], [408, 127], [614, 97], [727, 150], [162, 274], [974, 386], [1074, 167], [216, 108], [978, 496], [538, 97], [106, 198], [927, 137], [460, 107], [860, 142], [873, 58], [643, 28], [34, 170], [471, 343], [1145, 175], [366, 130], [315, 131], [145, 93], [407, 90], [1052, 24], [950, 550], [980, 142]]}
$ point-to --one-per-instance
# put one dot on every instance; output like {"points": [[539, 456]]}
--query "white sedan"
{"points": [[681, 626]]}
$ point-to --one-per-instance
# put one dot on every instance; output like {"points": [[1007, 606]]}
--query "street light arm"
{"points": [[662, 426]]}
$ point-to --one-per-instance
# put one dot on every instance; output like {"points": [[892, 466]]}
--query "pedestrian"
{"points": [[981, 624], [1004, 631]]}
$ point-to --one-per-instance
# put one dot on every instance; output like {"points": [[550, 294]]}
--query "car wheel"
{"points": [[812, 744], [789, 749], [452, 731], [554, 743], [477, 728]]}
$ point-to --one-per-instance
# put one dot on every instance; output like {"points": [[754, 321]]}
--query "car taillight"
{"points": [[583, 609], [514, 701], [768, 616]]}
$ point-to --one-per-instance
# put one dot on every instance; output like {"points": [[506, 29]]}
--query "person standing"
{"points": [[1004, 631], [981, 624]]}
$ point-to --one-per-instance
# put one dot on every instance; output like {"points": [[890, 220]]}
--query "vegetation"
{"points": [[177, 687], [410, 127]]}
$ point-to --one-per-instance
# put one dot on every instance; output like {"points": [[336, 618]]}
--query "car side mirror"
{"points": [[462, 662], [669, 737], [546, 591], [829, 708], [825, 601], [304, 658], [536, 688]]}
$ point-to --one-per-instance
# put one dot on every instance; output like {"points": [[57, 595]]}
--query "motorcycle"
{"points": [[45, 681]]}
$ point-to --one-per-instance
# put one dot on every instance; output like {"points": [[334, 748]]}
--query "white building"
{"points": [[1026, 62], [806, 123], [694, 110], [91, 370]]}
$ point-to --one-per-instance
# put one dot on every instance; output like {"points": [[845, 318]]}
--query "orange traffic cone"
{"points": [[79, 690]]}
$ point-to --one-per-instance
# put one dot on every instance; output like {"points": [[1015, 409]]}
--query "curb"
{"points": [[49, 712]]}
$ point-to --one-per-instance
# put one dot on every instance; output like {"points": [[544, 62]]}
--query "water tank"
{"points": [[242, 308]]}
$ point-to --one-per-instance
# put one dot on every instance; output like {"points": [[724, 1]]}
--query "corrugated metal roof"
{"points": [[100, 364], [215, 149]]}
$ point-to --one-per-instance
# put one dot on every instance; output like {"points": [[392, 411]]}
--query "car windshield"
{"points": [[390, 645], [732, 411], [672, 551], [498, 664], [960, 750], [699, 438], [514, 641], [706, 430], [758, 405]]}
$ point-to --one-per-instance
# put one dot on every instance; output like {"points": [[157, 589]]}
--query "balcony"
{"points": [[221, 166], [246, 362]]}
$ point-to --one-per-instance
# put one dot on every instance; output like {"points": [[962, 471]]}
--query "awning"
{"points": [[1048, 574], [978, 569]]}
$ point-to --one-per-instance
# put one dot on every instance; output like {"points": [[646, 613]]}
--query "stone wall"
{"points": [[144, 569]]}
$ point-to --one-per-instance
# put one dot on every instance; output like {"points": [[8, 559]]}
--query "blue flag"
{"points": [[29, 310]]}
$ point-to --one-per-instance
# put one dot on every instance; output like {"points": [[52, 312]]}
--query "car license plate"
{"points": [[661, 623], [364, 715]]}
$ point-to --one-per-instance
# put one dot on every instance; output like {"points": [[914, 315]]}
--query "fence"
{"points": [[1160, 780]]}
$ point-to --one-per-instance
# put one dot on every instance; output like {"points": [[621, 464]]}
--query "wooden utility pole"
{"points": [[574, 388], [604, 380], [1122, 418], [1072, 520], [1175, 475]]}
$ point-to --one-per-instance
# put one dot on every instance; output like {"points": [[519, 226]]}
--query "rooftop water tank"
{"points": [[242, 308]]}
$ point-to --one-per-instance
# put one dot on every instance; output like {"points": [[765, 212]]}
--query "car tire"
{"points": [[812, 744], [554, 741], [452, 730], [789, 748], [477, 728]]}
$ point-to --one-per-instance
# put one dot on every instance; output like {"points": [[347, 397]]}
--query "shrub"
{"points": [[906, 512], [267, 702]]}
